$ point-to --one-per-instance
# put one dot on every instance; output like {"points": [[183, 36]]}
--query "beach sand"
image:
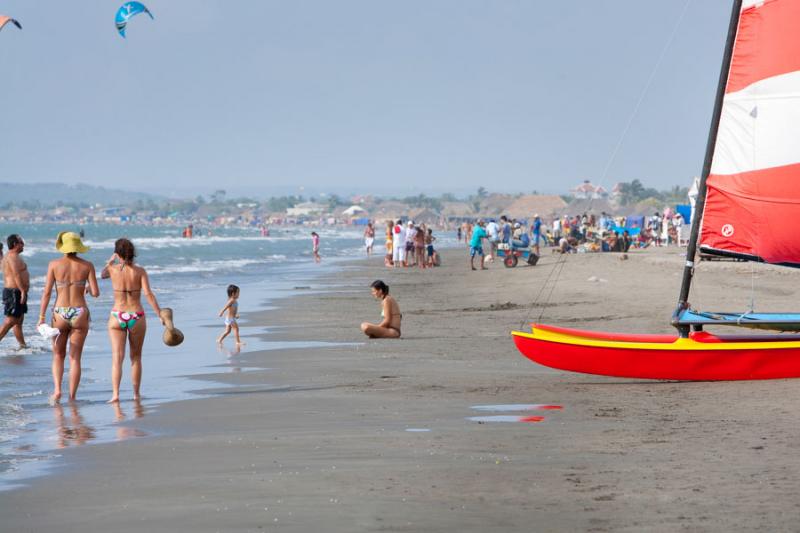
{"points": [[317, 440]]}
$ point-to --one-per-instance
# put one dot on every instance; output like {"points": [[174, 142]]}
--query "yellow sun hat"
{"points": [[69, 242]]}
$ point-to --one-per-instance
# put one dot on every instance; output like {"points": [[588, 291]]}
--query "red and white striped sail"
{"points": [[752, 207]]}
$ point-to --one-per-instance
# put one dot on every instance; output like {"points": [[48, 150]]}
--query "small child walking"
{"points": [[231, 312]]}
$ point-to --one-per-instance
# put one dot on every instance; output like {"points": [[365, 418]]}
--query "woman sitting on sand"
{"points": [[70, 275], [127, 321], [389, 328]]}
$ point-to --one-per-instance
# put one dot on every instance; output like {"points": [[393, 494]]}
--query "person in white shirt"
{"points": [[677, 222], [398, 244], [410, 234], [493, 231]]}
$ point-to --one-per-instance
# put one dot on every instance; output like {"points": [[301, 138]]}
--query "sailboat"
{"points": [[749, 188]]}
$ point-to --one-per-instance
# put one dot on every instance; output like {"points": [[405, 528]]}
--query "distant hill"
{"points": [[50, 194]]}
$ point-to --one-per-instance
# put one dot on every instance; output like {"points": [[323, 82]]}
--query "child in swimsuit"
{"points": [[231, 312]]}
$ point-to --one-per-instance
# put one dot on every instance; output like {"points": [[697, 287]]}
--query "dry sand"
{"points": [[317, 440]]}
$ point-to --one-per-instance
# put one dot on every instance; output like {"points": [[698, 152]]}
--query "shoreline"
{"points": [[318, 438], [51, 430]]}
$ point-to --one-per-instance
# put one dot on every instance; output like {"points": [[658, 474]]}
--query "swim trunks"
{"points": [[475, 250], [11, 303]]}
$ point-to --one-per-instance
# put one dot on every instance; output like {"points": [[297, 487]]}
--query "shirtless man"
{"points": [[17, 281]]}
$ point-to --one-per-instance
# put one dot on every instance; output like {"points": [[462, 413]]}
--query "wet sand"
{"points": [[317, 439]]}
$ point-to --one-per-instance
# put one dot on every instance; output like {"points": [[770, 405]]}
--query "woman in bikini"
{"points": [[70, 275], [389, 328], [127, 320]]}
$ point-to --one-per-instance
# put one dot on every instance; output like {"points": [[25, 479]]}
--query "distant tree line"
{"points": [[634, 192]]}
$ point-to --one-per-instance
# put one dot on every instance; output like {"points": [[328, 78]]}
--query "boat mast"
{"points": [[691, 251]]}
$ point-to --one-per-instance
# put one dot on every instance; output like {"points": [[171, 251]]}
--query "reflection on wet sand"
{"points": [[124, 432], [230, 352], [72, 430], [16, 360]]}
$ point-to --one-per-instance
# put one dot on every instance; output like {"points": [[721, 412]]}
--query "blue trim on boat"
{"points": [[773, 321]]}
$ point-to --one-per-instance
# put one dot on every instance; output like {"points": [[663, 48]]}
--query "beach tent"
{"points": [[634, 221], [685, 210], [632, 231], [353, 210]]}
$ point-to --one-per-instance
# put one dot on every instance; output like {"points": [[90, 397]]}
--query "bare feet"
{"points": [[54, 398], [219, 340], [115, 399], [137, 397]]}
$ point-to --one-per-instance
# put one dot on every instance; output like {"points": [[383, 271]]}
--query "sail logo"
{"points": [[727, 230]]}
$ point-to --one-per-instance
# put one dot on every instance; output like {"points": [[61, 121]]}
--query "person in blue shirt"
{"points": [[536, 232], [476, 244], [521, 240], [505, 226]]}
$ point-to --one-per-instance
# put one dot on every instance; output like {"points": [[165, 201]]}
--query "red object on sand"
{"points": [[747, 197], [701, 357]]}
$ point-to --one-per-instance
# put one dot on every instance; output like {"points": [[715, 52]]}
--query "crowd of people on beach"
{"points": [[571, 234], [408, 245], [73, 278]]}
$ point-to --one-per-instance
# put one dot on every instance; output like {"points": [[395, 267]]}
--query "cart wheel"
{"points": [[533, 259], [510, 261]]}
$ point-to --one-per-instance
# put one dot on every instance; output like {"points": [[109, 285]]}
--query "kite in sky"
{"points": [[128, 10], [5, 20]]}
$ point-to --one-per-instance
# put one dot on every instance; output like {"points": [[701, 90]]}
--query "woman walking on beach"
{"points": [[70, 276], [389, 328], [127, 320], [315, 246]]}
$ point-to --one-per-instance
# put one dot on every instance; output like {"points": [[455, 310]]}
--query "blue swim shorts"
{"points": [[475, 250]]}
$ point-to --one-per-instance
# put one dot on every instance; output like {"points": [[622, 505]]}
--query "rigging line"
{"points": [[644, 92], [754, 117], [537, 299], [561, 263], [538, 295]]}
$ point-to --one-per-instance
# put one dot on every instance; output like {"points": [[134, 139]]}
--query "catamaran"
{"points": [[749, 189]]}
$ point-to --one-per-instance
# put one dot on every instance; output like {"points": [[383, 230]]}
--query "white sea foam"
{"points": [[12, 419], [149, 243], [210, 266]]}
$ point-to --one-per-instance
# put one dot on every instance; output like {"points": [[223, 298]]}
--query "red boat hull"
{"points": [[702, 357]]}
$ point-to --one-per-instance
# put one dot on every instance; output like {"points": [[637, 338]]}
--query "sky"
{"points": [[401, 97]]}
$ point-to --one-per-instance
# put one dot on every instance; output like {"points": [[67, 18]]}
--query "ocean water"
{"points": [[188, 275]]}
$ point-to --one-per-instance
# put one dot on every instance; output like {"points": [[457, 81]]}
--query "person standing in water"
{"points": [[315, 246], [232, 309], [17, 281], [127, 321], [369, 238], [70, 275], [389, 328]]}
